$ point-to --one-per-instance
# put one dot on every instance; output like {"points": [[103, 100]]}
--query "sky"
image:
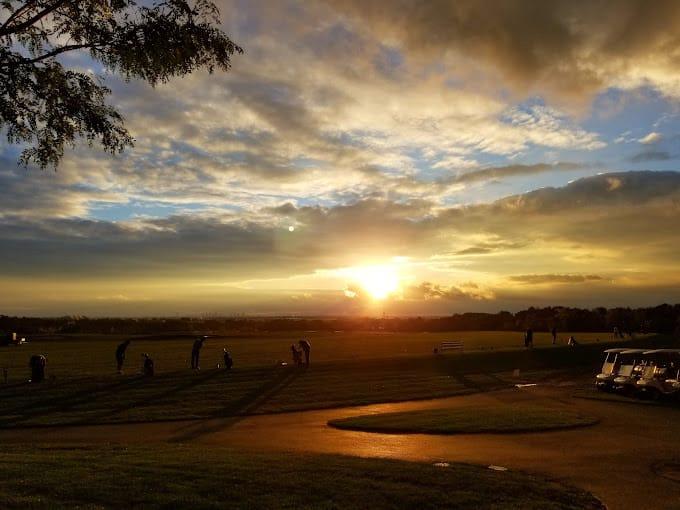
{"points": [[372, 157]]}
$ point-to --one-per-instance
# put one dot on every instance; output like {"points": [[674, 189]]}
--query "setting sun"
{"points": [[378, 281]]}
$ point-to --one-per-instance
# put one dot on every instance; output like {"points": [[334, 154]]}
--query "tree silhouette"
{"points": [[45, 105]]}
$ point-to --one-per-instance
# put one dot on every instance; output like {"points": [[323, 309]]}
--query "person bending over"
{"points": [[306, 348], [196, 352], [120, 355]]}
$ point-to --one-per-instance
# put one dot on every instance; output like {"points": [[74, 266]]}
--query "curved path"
{"points": [[613, 459]]}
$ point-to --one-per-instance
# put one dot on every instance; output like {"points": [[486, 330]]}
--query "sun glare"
{"points": [[378, 281]]}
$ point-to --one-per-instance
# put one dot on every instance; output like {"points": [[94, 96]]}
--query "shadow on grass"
{"points": [[33, 409], [88, 402], [199, 379], [469, 383], [12, 385], [238, 410], [55, 405]]}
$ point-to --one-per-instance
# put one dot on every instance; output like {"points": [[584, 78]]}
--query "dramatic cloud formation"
{"points": [[566, 47], [484, 158], [599, 224]]}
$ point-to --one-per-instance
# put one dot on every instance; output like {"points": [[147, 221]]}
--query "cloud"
{"points": [[376, 132], [650, 138], [318, 111], [430, 291], [573, 234], [503, 172], [541, 279], [587, 194], [651, 155], [490, 247], [609, 213], [569, 48]]}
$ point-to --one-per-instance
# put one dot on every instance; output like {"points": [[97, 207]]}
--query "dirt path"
{"points": [[613, 459]]}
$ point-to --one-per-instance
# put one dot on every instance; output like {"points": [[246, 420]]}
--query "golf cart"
{"points": [[631, 362], [11, 339], [659, 373], [672, 383], [605, 379]]}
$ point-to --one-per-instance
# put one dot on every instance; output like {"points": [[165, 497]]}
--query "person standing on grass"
{"points": [[37, 364], [529, 338], [306, 347], [297, 355], [228, 360], [196, 352], [120, 355], [553, 332], [147, 365]]}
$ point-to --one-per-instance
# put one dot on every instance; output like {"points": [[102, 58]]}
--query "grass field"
{"points": [[179, 476], [595, 394], [468, 420], [254, 390], [74, 356], [186, 394]]}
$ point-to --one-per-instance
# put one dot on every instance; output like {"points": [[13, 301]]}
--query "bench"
{"points": [[453, 345]]}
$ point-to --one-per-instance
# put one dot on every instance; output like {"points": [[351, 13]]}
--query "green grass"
{"points": [[188, 395], [591, 393], [185, 394], [80, 355], [468, 420], [163, 476]]}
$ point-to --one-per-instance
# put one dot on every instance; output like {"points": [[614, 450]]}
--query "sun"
{"points": [[378, 281]]}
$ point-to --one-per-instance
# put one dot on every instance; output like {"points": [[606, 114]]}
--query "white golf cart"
{"points": [[660, 374], [673, 381], [605, 379], [631, 363]]}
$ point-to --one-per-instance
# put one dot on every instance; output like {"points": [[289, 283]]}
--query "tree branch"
{"points": [[31, 21], [47, 106], [16, 14], [57, 51]]}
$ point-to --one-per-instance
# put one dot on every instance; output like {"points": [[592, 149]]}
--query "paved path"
{"points": [[613, 459]]}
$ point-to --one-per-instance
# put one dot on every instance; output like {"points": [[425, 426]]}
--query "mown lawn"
{"points": [[254, 390], [502, 418], [80, 355], [188, 395], [168, 476]]}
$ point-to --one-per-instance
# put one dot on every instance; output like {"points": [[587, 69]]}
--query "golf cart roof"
{"points": [[617, 349], [663, 351], [634, 351]]}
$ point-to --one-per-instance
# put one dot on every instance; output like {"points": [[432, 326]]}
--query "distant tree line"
{"points": [[659, 319]]}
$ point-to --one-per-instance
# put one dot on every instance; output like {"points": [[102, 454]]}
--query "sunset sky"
{"points": [[369, 157]]}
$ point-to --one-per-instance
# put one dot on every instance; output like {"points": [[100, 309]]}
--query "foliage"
{"points": [[45, 105]]}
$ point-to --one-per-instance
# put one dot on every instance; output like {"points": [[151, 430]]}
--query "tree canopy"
{"points": [[45, 105]]}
